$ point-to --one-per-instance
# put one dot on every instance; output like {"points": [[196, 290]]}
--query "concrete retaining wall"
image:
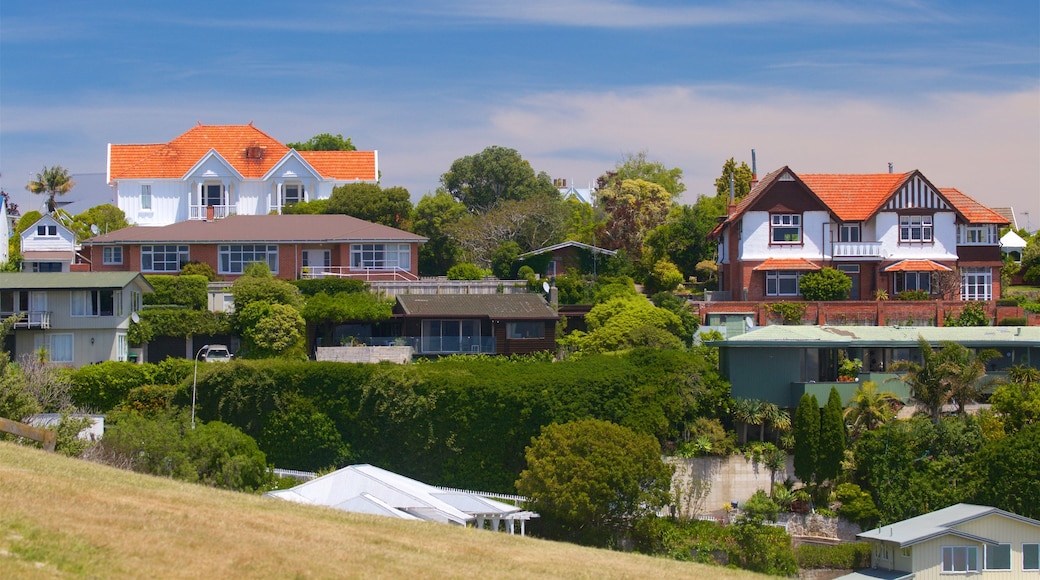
{"points": [[705, 486], [364, 354]]}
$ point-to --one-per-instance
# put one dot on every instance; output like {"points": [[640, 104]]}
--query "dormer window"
{"points": [[47, 231], [786, 228], [915, 228]]}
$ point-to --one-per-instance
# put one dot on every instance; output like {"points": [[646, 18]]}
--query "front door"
{"points": [[852, 271], [318, 261]]}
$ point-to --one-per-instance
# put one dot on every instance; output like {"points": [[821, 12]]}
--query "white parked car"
{"points": [[216, 353]]}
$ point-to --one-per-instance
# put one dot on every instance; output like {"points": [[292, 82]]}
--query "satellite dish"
{"points": [[545, 286], [134, 317], [94, 229]]}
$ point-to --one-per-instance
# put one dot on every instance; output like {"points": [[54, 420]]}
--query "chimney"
{"points": [[754, 170], [890, 167], [732, 206]]}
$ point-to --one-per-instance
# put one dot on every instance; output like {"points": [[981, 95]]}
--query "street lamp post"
{"points": [[194, 383]]}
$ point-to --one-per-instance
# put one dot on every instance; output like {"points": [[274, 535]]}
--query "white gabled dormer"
{"points": [[48, 246], [213, 187], [290, 181]]}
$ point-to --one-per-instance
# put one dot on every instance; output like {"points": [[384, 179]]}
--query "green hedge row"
{"points": [[838, 557]]}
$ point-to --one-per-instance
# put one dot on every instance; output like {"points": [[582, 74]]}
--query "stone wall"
{"points": [[705, 486], [364, 354]]}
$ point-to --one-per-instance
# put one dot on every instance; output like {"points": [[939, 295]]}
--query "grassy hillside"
{"points": [[63, 517]]}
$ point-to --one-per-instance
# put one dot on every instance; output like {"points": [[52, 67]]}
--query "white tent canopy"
{"points": [[1012, 243], [371, 490]]}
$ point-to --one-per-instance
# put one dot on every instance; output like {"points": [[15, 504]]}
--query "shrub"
{"points": [[1032, 275], [189, 291], [103, 386], [913, 295], [330, 286], [838, 557], [199, 269], [465, 271], [1014, 321], [760, 508], [856, 505], [973, 314], [826, 284]]}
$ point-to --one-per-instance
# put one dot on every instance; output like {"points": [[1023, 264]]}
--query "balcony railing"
{"points": [[32, 319], [434, 344], [857, 250], [202, 212], [367, 274]]}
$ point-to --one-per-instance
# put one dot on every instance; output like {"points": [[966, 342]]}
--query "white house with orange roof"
{"points": [[213, 171], [893, 232]]}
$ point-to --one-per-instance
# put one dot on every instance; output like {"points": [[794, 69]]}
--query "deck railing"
{"points": [[30, 319], [367, 274]]}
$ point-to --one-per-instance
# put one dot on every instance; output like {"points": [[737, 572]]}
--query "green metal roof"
{"points": [[69, 280], [884, 336]]}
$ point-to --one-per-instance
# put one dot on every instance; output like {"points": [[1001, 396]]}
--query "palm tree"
{"points": [[870, 408], [965, 373], [925, 379], [743, 410], [52, 181]]}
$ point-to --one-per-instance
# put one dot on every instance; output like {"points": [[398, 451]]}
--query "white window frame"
{"points": [[87, 303], [847, 231], [50, 340], [991, 551], [776, 277], [789, 223], [112, 255], [976, 283], [921, 225], [233, 258], [949, 555], [381, 256], [899, 281], [146, 196], [122, 349], [300, 194], [47, 231], [977, 235], [1035, 563], [135, 301], [167, 250]]}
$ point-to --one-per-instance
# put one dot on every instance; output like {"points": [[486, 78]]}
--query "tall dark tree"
{"points": [[52, 182], [742, 177], [435, 214], [806, 427], [368, 201], [324, 142], [494, 175], [683, 237], [831, 450]]}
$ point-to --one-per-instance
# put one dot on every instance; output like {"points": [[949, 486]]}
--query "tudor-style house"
{"points": [[77, 318], [888, 232], [214, 171], [292, 246]]}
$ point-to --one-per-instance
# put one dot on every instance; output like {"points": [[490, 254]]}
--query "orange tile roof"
{"points": [[799, 264], [916, 266], [854, 197], [973, 211], [173, 160]]}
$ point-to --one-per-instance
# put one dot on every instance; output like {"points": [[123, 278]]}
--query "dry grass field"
{"points": [[62, 517]]}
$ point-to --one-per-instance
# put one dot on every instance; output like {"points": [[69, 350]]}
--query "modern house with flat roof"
{"points": [[78, 318], [781, 363], [293, 246]]}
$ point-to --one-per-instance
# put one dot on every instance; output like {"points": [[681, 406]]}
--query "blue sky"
{"points": [[950, 88]]}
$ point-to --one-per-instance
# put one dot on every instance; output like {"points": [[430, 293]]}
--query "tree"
{"points": [[683, 237], [870, 408], [324, 142], [826, 284], [634, 207], [434, 216], [272, 330], [965, 373], [626, 322], [52, 182], [106, 217], [925, 379], [390, 207], [257, 284], [806, 438], [492, 176], [593, 479], [637, 166], [299, 436], [533, 222], [1017, 401], [503, 260], [1009, 471], [742, 176], [831, 450], [951, 374]]}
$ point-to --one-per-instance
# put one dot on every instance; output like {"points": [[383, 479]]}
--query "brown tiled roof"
{"points": [[493, 306], [797, 264], [973, 211], [173, 160], [261, 228]]}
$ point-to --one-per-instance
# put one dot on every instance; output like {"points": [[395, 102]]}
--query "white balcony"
{"points": [[367, 274], [31, 319], [202, 212], [868, 250]]}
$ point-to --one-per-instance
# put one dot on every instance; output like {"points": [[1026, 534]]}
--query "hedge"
{"points": [[847, 556]]}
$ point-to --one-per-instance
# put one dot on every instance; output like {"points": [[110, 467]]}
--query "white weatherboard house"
{"points": [[48, 246], [370, 490], [213, 171], [961, 540]]}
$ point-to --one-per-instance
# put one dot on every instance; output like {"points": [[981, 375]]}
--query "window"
{"points": [[212, 195], [976, 283], [121, 347], [848, 233], [292, 193], [135, 301], [146, 197], [46, 266], [12, 301], [915, 228], [451, 336], [59, 347], [163, 258], [112, 255], [526, 329], [234, 259], [47, 231], [94, 302], [907, 552], [977, 235], [998, 557], [960, 559], [380, 256], [786, 228], [782, 283], [1031, 556], [913, 281]]}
